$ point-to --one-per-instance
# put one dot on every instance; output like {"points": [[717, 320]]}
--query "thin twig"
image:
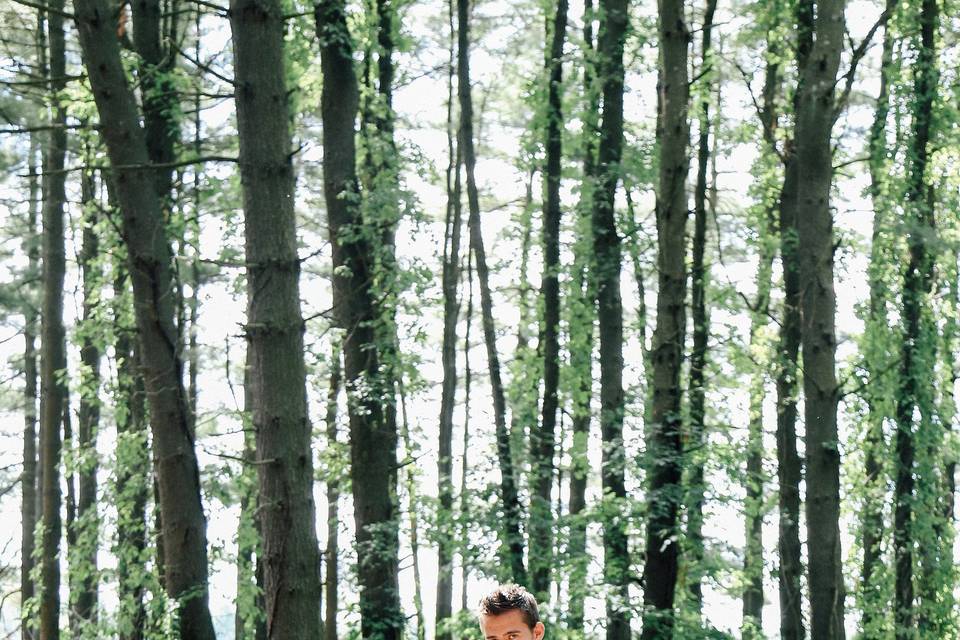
{"points": [[858, 55], [138, 167]]}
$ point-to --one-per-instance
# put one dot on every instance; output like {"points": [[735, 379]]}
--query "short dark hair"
{"points": [[511, 597]]}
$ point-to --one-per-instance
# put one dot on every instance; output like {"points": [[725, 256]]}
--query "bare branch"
{"points": [[858, 55], [43, 7]]}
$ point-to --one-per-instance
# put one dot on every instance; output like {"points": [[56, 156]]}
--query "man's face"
{"points": [[509, 626]]}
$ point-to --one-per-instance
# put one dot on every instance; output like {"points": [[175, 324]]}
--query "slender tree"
{"points": [[373, 435], [411, 489], [512, 536], [250, 614], [789, 465], [699, 276], [464, 460], [815, 116], [918, 346], [606, 263], [581, 299], [876, 350], [451, 315], [85, 601], [28, 478], [332, 552], [765, 220], [53, 356], [148, 250], [543, 441], [664, 445], [132, 469]]}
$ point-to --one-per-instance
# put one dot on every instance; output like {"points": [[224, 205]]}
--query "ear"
{"points": [[538, 631]]}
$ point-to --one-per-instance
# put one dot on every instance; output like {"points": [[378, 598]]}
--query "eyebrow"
{"points": [[506, 633]]}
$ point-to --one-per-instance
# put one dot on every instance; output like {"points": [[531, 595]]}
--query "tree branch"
{"points": [[43, 7], [139, 167], [858, 55]]}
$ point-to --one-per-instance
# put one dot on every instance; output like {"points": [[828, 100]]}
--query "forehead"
{"points": [[500, 624]]}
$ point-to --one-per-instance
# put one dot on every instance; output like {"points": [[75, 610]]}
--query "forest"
{"points": [[320, 319]]}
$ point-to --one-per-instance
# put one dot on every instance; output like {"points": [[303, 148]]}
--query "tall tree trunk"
{"points": [[664, 445], [544, 437], [701, 322], [606, 249], [451, 315], [948, 400], [28, 479], [753, 596], [876, 354], [275, 325], [250, 615], [148, 248], [132, 471], [410, 478], [53, 356], [464, 461], [332, 552], [373, 435], [68, 456], [581, 349], [581, 341], [766, 222], [160, 104], [193, 352], [512, 536], [916, 365], [815, 246], [523, 389], [85, 605], [789, 465]]}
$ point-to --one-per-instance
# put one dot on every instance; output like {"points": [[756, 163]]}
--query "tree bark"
{"points": [[250, 615], [85, 605], [815, 247], [28, 478], [275, 325], [451, 316], [606, 249], [767, 241], [464, 461], [699, 275], [916, 364], [148, 248], [68, 453], [766, 221], [411, 487], [543, 441], [159, 93], [331, 555], [373, 434], [53, 357], [582, 298], [133, 470], [664, 445], [789, 465], [512, 536], [876, 356]]}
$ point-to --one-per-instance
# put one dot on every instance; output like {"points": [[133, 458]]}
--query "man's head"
{"points": [[510, 612]]}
